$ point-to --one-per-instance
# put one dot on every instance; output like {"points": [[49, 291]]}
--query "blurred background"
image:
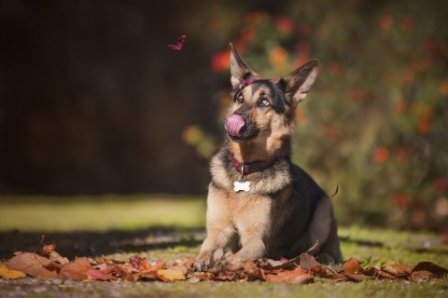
{"points": [[93, 102]]}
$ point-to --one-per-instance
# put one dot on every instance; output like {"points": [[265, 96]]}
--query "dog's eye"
{"points": [[263, 101], [240, 98]]}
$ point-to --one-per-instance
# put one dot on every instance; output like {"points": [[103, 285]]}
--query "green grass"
{"points": [[99, 213], [135, 215]]}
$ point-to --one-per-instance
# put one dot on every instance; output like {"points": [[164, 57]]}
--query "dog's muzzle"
{"points": [[235, 125], [239, 129]]}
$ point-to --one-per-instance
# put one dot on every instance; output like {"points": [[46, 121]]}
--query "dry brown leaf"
{"points": [[340, 277], [32, 264], [47, 249], [49, 252], [183, 266], [422, 276], [383, 274], [200, 276], [226, 276], [7, 273], [431, 267], [298, 276], [76, 270], [309, 263], [398, 270], [352, 266], [168, 275], [94, 274], [357, 277]]}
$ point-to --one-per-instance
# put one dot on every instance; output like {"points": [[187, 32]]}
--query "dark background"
{"points": [[93, 101]]}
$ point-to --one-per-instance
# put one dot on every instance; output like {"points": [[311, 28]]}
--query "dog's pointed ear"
{"points": [[297, 84], [239, 71]]}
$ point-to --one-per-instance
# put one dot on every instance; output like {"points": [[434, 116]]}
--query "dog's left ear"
{"points": [[297, 84], [239, 71]]}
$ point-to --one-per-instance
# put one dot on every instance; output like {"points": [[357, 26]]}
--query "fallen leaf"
{"points": [[183, 266], [150, 269], [94, 274], [138, 263], [155, 265], [168, 275], [47, 249], [384, 274], [352, 266], [398, 270], [281, 264], [76, 270], [32, 264], [431, 267], [50, 252], [340, 277], [200, 276], [357, 277], [309, 263], [252, 272], [7, 273], [298, 276], [422, 276], [226, 276]]}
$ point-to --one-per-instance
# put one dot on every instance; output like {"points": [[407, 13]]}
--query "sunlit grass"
{"points": [[99, 213]]}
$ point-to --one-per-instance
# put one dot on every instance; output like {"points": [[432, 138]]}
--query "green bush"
{"points": [[376, 121]]}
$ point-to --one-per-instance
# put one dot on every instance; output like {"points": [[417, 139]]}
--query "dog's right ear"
{"points": [[239, 71], [297, 84]]}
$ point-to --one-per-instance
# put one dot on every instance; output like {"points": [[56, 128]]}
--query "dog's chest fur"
{"points": [[275, 202]]}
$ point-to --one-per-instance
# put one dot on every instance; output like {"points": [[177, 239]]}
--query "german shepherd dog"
{"points": [[259, 203]]}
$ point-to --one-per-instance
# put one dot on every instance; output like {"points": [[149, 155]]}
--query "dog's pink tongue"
{"points": [[234, 124]]}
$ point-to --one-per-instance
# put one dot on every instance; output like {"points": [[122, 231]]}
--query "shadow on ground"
{"points": [[92, 244]]}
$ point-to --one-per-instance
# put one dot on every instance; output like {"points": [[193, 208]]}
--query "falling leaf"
{"points": [[298, 276], [7, 273], [169, 275], [76, 270], [32, 264], [179, 44]]}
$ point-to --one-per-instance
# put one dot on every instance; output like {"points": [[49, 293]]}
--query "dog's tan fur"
{"points": [[285, 212]]}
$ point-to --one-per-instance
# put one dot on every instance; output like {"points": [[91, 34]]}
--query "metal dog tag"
{"points": [[241, 186]]}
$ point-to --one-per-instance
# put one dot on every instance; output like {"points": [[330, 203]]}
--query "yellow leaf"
{"points": [[169, 275], [7, 273]]}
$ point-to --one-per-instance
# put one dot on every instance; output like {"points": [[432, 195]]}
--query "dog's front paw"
{"points": [[203, 262], [207, 260], [233, 262]]}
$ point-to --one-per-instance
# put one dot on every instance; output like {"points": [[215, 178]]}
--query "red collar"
{"points": [[247, 168]]}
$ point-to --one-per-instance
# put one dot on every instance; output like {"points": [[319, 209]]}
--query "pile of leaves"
{"points": [[48, 263]]}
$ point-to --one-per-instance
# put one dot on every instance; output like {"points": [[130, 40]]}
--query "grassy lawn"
{"points": [[167, 227]]}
